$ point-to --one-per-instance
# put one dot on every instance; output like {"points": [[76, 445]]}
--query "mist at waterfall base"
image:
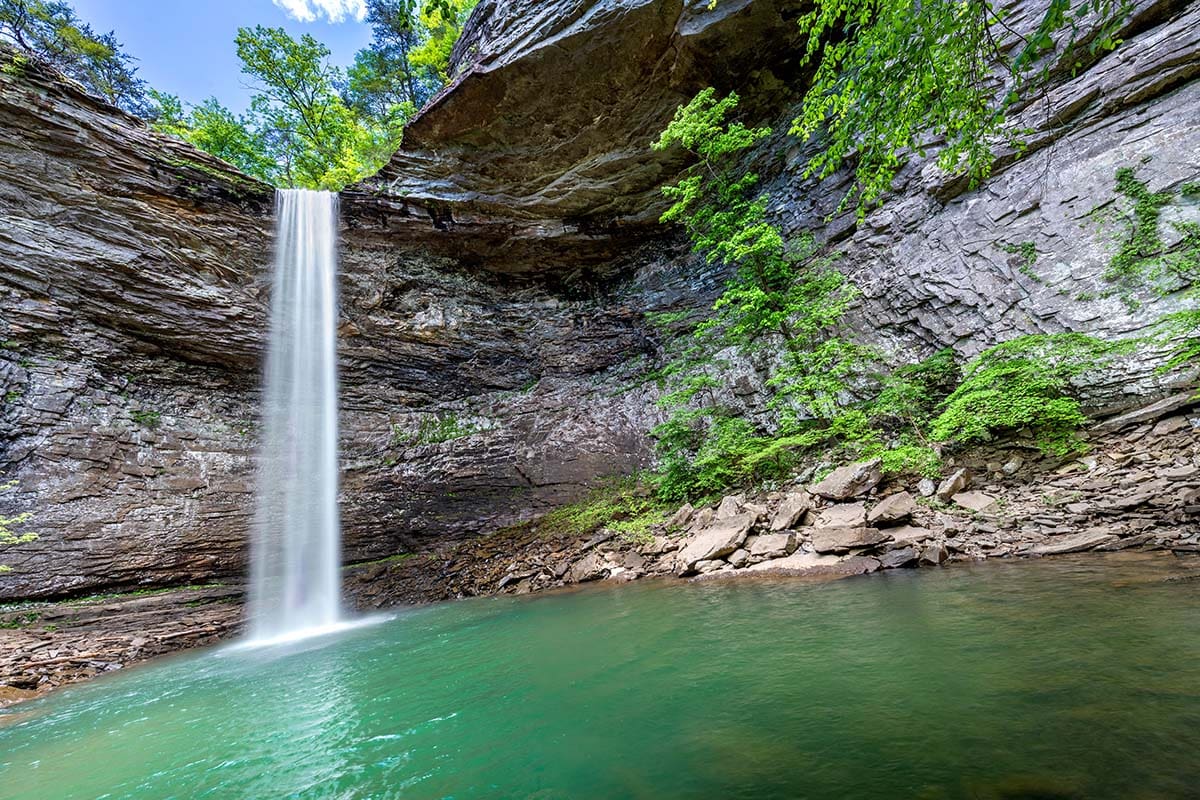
{"points": [[1066, 678], [295, 585]]}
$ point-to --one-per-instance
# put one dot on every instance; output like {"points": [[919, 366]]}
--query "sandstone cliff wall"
{"points": [[496, 275]]}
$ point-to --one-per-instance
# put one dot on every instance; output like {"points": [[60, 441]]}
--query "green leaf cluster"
{"points": [[1143, 256], [53, 34], [898, 77], [8, 534], [1024, 383], [783, 304], [434, 429], [623, 505]]}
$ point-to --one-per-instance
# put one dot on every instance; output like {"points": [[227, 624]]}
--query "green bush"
{"points": [[1023, 383]]}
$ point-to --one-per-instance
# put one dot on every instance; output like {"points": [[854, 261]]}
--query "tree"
{"points": [[51, 33], [305, 126], [895, 76], [216, 130]]}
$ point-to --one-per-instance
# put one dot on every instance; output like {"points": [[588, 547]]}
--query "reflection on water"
{"points": [[1070, 678]]}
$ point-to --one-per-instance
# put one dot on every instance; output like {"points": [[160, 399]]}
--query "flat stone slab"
{"points": [[718, 540], [974, 501], [909, 534], [773, 545], [892, 509], [1168, 405], [846, 515], [834, 540], [850, 480], [1073, 543]]}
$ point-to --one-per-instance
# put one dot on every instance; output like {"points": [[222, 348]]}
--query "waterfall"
{"points": [[295, 583]]}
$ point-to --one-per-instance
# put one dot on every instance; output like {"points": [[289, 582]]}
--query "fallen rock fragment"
{"points": [[790, 510], [720, 539], [974, 501], [681, 517], [843, 516], [773, 545], [893, 509], [835, 540], [899, 557], [908, 534], [956, 482], [934, 555], [849, 481], [1074, 543]]}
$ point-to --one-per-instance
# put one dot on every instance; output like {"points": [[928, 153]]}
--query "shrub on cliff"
{"points": [[1024, 383]]}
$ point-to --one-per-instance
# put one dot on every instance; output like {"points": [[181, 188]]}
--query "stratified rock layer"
{"points": [[496, 276]]}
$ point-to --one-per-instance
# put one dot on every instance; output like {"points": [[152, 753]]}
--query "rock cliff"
{"points": [[495, 277]]}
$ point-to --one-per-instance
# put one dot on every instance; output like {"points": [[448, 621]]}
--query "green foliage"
{"points": [[8, 525], [316, 140], [51, 33], [1143, 256], [624, 506], [147, 419], [1027, 257], [216, 130], [892, 76], [1181, 333], [1023, 383], [1190, 189], [784, 302], [434, 430], [444, 24]]}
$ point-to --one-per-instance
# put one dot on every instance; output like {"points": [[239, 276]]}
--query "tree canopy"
{"points": [[52, 33]]}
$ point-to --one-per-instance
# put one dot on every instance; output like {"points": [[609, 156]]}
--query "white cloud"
{"points": [[333, 10]]}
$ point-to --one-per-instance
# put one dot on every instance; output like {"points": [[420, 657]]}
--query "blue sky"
{"points": [[186, 48]]}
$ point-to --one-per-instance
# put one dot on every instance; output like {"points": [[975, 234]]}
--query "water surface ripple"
{"points": [[1068, 678]]}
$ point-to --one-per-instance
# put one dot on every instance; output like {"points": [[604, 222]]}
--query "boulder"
{"points": [[730, 505], [1074, 542], [759, 511], [791, 509], [899, 557], [709, 565], [893, 509], [701, 519], [839, 540], [591, 567], [739, 558], [681, 517], [934, 554], [974, 501], [908, 534], [718, 540], [773, 545], [843, 516], [956, 482], [849, 481], [926, 487]]}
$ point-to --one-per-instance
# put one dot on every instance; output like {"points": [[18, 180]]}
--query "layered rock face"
{"points": [[495, 277], [135, 313]]}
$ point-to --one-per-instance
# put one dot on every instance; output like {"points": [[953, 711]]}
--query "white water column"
{"points": [[295, 582]]}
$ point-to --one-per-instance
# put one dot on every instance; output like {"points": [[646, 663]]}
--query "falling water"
{"points": [[294, 581]]}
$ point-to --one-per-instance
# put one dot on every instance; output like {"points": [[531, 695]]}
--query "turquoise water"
{"points": [[1075, 678]]}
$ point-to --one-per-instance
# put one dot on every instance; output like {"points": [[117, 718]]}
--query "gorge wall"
{"points": [[495, 277]]}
